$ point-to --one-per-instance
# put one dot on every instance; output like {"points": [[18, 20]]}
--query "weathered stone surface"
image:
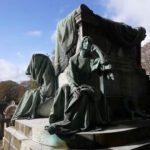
{"points": [[144, 145], [6, 144], [30, 145], [1, 145], [13, 138], [145, 57], [126, 135], [29, 135], [31, 128], [130, 79]]}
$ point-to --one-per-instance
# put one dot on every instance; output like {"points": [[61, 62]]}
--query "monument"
{"points": [[105, 98], [122, 49]]}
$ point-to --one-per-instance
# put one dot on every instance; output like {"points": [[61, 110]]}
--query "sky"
{"points": [[29, 26]]}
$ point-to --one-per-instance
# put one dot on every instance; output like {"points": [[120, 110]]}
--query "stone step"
{"points": [[33, 133], [16, 140], [119, 135], [30, 128], [34, 130], [13, 139], [31, 145], [1, 144], [26, 145], [123, 134], [144, 145]]}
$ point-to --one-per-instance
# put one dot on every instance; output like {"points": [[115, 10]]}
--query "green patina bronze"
{"points": [[80, 105], [37, 102], [66, 41]]}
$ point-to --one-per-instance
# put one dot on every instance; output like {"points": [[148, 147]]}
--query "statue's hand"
{"points": [[110, 76], [86, 88], [76, 90]]}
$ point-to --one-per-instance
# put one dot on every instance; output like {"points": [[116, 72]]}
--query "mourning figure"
{"points": [[80, 106], [38, 102]]}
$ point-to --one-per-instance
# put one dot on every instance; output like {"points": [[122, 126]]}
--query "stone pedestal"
{"points": [[30, 134], [130, 81]]}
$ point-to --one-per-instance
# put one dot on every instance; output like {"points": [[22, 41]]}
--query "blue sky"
{"points": [[29, 26]]}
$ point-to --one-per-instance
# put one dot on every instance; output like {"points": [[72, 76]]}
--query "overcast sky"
{"points": [[29, 26]]}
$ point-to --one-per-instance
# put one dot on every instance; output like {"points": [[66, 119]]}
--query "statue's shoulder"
{"points": [[74, 58]]}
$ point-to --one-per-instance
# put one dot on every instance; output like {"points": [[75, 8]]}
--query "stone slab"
{"points": [[117, 135], [13, 137], [1, 144], [31, 128], [37, 132], [144, 145]]}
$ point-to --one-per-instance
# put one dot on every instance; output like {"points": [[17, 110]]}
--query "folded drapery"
{"points": [[66, 42], [37, 102]]}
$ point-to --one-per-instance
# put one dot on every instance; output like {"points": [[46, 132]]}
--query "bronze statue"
{"points": [[80, 105], [37, 102]]}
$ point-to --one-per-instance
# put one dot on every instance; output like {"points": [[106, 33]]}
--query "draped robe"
{"points": [[80, 105], [38, 102]]}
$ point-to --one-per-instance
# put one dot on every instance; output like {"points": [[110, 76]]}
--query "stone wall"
{"points": [[145, 57]]}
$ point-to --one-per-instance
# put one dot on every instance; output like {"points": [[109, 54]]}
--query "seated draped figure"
{"points": [[79, 105], [37, 102]]}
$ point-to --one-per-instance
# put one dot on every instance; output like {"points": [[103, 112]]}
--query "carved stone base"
{"points": [[30, 134]]}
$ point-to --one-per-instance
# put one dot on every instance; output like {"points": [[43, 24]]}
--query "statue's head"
{"points": [[86, 45], [37, 66]]}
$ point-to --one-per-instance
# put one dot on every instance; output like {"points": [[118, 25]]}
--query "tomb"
{"points": [[126, 91]]}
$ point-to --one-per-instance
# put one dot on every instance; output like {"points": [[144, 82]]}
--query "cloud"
{"points": [[132, 12], [9, 71], [20, 55], [35, 33], [53, 37]]}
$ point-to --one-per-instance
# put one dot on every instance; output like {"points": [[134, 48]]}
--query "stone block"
{"points": [[144, 145], [6, 144], [7, 135], [17, 143], [116, 136], [53, 148], [14, 138], [17, 125], [33, 129], [28, 131], [30, 145], [124, 134], [22, 128]]}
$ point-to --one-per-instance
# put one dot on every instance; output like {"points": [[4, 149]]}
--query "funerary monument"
{"points": [[94, 94]]}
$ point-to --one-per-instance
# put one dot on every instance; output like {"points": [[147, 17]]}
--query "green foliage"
{"points": [[10, 90]]}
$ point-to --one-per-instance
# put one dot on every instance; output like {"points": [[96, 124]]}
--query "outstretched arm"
{"points": [[99, 52], [98, 63], [101, 63]]}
